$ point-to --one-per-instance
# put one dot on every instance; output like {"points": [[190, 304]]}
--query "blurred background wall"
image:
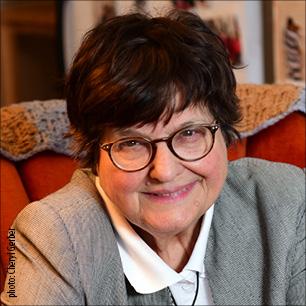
{"points": [[40, 38]]}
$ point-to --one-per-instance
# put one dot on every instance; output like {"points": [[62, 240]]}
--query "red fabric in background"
{"points": [[237, 149], [13, 198], [282, 142], [45, 173]]}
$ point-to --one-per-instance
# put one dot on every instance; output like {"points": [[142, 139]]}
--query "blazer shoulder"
{"points": [[79, 199], [267, 177], [253, 165], [259, 217], [269, 190], [65, 242], [77, 207]]}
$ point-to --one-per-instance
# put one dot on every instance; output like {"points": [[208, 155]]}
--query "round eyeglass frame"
{"points": [[211, 127]]}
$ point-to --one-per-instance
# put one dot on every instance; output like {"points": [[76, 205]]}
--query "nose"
{"points": [[165, 166]]}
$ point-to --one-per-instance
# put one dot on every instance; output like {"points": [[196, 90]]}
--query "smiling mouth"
{"points": [[171, 195]]}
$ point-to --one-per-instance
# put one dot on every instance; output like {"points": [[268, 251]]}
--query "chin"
{"points": [[169, 226]]}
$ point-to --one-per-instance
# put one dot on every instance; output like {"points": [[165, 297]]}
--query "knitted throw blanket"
{"points": [[31, 127], [264, 105]]}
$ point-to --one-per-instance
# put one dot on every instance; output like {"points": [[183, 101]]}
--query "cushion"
{"points": [[283, 142], [45, 173], [237, 149], [13, 199]]}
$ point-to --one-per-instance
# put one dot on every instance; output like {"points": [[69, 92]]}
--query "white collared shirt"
{"points": [[148, 273]]}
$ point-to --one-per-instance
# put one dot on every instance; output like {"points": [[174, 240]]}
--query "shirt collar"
{"points": [[144, 269]]}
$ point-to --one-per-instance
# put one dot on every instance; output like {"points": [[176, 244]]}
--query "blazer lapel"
{"points": [[234, 255]]}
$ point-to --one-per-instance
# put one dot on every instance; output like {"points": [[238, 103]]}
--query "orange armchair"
{"points": [[277, 136]]}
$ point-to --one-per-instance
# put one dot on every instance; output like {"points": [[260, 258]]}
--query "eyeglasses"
{"points": [[190, 143]]}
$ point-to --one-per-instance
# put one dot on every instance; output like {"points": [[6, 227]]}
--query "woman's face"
{"points": [[169, 196]]}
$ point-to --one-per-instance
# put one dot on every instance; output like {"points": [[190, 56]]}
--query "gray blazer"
{"points": [[66, 252]]}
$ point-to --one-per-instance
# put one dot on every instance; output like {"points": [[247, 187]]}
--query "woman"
{"points": [[159, 217]]}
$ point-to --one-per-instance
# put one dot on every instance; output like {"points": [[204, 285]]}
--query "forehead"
{"points": [[191, 115]]}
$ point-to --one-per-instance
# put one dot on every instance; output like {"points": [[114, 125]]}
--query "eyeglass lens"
{"points": [[131, 153], [192, 143]]}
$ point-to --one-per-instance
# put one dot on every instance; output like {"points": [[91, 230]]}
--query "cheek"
{"points": [[217, 162], [213, 167], [115, 182]]}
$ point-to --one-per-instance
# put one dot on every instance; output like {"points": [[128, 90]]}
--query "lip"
{"points": [[170, 195]]}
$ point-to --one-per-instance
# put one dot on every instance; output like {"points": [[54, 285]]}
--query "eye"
{"points": [[189, 135], [131, 145], [188, 132]]}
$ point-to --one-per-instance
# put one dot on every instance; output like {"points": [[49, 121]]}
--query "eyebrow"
{"points": [[130, 131]]}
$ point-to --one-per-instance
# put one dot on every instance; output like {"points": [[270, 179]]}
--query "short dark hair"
{"points": [[129, 69]]}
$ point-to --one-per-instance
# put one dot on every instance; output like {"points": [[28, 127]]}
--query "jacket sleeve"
{"points": [[43, 267], [296, 291]]}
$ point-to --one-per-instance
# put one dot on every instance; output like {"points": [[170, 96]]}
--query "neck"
{"points": [[174, 250]]}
